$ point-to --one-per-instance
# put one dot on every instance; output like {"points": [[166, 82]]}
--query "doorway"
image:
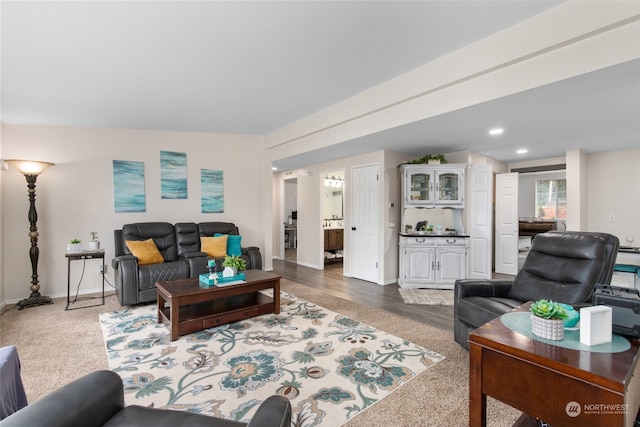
{"points": [[332, 192], [289, 235]]}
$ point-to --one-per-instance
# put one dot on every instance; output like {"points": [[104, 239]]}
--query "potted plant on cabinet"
{"points": [[75, 245], [232, 264], [547, 319]]}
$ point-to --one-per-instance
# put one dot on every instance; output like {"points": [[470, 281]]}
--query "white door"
{"points": [[480, 221], [507, 223], [364, 224]]}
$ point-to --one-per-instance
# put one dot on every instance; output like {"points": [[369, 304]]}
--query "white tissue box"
{"points": [[595, 325]]}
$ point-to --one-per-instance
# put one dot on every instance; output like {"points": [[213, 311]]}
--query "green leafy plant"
{"points": [[75, 241], [424, 160], [422, 228], [548, 309], [234, 261]]}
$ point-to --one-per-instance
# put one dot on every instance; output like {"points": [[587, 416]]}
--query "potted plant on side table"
{"points": [[547, 319], [74, 246], [232, 264]]}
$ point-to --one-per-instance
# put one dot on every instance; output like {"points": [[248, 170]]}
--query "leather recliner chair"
{"points": [[561, 266], [97, 399]]}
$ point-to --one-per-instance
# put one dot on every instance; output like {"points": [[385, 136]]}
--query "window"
{"points": [[551, 199]]}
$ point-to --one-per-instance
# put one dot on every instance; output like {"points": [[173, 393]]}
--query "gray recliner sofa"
{"points": [[563, 266], [97, 400], [179, 245]]}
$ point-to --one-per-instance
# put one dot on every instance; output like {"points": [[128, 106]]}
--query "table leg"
{"points": [[161, 302], [174, 321], [68, 283], [477, 400], [276, 297]]}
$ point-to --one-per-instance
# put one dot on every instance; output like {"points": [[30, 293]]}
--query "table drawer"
{"points": [[230, 317], [451, 241], [421, 241]]}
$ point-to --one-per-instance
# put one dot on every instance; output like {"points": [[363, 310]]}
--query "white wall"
{"points": [[75, 196], [613, 182]]}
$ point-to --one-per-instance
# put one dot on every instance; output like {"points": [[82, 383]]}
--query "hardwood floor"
{"points": [[387, 298]]}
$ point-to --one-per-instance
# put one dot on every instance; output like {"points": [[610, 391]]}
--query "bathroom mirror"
{"points": [[333, 208]]}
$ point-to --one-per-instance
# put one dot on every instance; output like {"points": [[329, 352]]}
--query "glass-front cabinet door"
{"points": [[448, 187], [433, 186], [420, 188]]}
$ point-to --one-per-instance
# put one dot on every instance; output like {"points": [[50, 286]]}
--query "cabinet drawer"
{"points": [[421, 241], [451, 241]]}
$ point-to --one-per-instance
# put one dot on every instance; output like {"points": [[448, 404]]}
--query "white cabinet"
{"points": [[433, 186], [432, 262]]}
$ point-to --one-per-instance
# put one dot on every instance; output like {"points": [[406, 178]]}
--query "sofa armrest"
{"points": [[122, 259], [89, 402], [255, 257], [125, 272], [482, 288], [273, 412], [190, 255]]}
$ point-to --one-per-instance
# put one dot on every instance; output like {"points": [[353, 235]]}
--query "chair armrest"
{"points": [[273, 412], [255, 257], [482, 288], [89, 401]]}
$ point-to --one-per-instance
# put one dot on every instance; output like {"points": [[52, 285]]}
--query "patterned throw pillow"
{"points": [[145, 250]]}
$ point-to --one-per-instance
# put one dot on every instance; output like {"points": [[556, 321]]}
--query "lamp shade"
{"points": [[30, 167]]}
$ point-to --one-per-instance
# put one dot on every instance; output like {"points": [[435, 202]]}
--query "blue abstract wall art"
{"points": [[173, 175], [212, 186], [128, 186]]}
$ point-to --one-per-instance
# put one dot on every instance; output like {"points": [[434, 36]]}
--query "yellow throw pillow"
{"points": [[145, 250], [215, 247]]}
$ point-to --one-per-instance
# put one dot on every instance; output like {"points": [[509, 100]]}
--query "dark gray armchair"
{"points": [[97, 399], [562, 266]]}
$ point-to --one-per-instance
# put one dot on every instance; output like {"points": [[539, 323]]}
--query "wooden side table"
{"points": [[561, 386], [84, 255]]}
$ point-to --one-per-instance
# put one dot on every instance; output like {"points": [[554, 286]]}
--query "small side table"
{"points": [[84, 255]]}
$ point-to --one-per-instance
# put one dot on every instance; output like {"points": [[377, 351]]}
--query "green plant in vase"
{"points": [[234, 263]]}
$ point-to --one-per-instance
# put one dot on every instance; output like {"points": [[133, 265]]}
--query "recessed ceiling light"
{"points": [[496, 131], [522, 151], [274, 168]]}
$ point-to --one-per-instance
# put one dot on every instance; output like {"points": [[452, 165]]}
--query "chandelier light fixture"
{"points": [[31, 169]]}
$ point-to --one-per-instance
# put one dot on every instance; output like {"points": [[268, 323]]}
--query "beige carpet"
{"points": [[57, 346], [427, 296]]}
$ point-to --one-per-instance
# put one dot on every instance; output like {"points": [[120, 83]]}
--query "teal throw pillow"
{"points": [[234, 243]]}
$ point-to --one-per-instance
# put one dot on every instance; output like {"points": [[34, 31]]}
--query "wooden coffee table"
{"points": [[187, 307], [547, 381]]}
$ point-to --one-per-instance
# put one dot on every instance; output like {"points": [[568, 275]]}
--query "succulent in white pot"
{"points": [[547, 319], [75, 245]]}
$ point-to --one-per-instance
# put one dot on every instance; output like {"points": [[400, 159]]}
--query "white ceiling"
{"points": [[254, 67]]}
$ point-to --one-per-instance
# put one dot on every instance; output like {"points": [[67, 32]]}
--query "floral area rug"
{"points": [[330, 367]]}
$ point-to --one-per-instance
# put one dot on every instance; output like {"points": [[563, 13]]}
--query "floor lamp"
{"points": [[31, 169]]}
